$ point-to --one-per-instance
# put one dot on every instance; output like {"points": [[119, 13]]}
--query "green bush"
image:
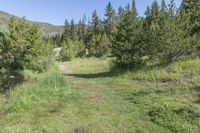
{"points": [[21, 47], [68, 51], [99, 45], [72, 49]]}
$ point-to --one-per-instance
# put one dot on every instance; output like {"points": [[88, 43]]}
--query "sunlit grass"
{"points": [[33, 105], [164, 97], [87, 97]]}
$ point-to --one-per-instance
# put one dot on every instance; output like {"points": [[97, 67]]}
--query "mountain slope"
{"points": [[47, 29]]}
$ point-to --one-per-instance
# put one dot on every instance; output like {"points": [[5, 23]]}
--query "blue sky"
{"points": [[57, 11]]}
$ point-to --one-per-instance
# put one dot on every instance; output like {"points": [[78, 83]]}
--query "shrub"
{"points": [[99, 45], [21, 47], [72, 49]]}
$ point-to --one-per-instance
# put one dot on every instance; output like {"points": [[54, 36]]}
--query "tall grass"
{"points": [[34, 99]]}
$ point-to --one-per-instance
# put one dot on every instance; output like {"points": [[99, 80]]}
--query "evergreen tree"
{"points": [[96, 23], [163, 7], [192, 9], [79, 30], [56, 40], [66, 32], [148, 12], [152, 28], [99, 45], [134, 7], [21, 47], [82, 29], [72, 30], [110, 22], [24, 44], [67, 52], [164, 30], [174, 41], [95, 38], [121, 13], [34, 51], [128, 47], [147, 22], [155, 12]]}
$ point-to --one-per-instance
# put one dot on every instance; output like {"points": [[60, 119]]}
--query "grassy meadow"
{"points": [[85, 96]]}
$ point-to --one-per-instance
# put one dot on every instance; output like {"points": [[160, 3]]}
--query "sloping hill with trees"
{"points": [[47, 29]]}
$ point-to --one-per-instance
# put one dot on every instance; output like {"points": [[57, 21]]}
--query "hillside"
{"points": [[47, 29]]}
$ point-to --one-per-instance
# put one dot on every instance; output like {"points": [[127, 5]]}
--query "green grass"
{"points": [[88, 97], [34, 105], [154, 99]]}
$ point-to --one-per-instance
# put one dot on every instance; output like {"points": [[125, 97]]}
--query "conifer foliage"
{"points": [[21, 47], [165, 34], [127, 46]]}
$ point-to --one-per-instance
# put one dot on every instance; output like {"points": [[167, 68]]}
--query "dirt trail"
{"points": [[66, 69], [79, 80], [98, 107]]}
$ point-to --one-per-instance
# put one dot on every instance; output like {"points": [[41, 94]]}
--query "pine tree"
{"points": [[147, 22], [152, 30], [134, 7], [21, 47], [192, 9], [66, 32], [79, 30], [155, 12], [96, 23], [95, 46], [57, 40], [163, 7], [99, 45], [148, 12], [68, 50], [120, 15], [82, 29], [128, 47], [34, 48], [174, 41], [110, 22], [72, 30], [24, 41]]}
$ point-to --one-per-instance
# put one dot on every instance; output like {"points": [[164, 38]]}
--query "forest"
{"points": [[123, 73]]}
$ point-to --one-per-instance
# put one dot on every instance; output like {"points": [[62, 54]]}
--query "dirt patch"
{"points": [[79, 130], [96, 98]]}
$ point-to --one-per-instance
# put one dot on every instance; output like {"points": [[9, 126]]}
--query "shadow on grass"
{"points": [[197, 92], [118, 70], [115, 71], [11, 82], [90, 76]]}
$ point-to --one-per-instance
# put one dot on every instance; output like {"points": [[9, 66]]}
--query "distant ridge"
{"points": [[47, 29]]}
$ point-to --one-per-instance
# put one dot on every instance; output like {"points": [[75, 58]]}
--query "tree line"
{"points": [[165, 34]]}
